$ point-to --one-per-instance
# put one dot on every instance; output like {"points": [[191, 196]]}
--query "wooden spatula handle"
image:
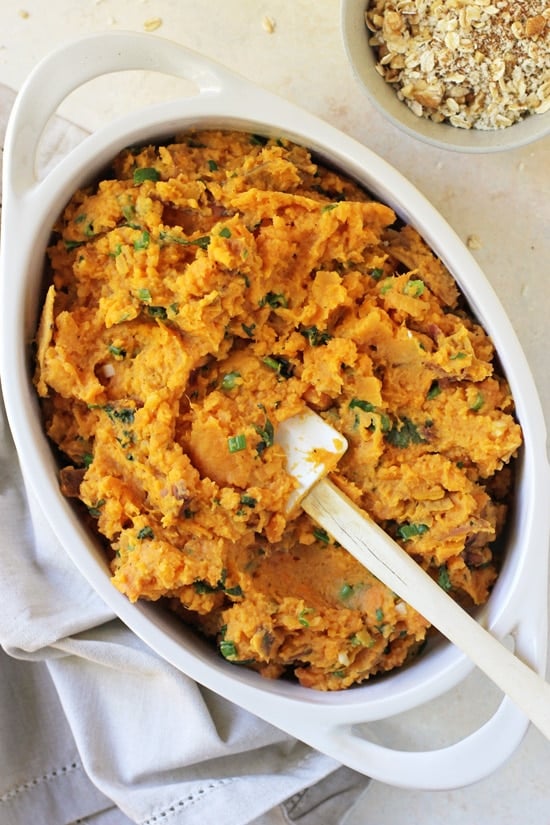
{"points": [[375, 550]]}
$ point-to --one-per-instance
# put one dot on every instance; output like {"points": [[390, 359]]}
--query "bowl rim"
{"points": [[382, 96]]}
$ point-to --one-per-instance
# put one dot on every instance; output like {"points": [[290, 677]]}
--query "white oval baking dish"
{"points": [[327, 721]]}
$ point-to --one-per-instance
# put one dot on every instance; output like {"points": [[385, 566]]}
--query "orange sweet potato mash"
{"points": [[201, 293]]}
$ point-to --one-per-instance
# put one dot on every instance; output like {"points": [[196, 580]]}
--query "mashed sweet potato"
{"points": [[201, 293]]}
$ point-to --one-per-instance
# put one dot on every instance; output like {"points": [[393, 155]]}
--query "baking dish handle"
{"points": [[80, 61], [462, 763]]}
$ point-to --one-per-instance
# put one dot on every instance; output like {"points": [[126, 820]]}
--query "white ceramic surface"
{"points": [[327, 721], [382, 95]]}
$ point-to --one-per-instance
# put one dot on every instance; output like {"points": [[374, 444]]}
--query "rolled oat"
{"points": [[478, 64]]}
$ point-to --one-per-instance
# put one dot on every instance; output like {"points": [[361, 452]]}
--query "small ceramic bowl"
{"points": [[441, 135]]}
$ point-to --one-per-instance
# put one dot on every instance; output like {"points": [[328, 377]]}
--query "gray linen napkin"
{"points": [[94, 726]]}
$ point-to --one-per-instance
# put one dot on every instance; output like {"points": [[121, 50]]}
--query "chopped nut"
{"points": [[535, 25], [489, 62], [152, 24]]}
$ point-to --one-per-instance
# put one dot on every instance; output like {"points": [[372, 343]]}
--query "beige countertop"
{"points": [[499, 204]]}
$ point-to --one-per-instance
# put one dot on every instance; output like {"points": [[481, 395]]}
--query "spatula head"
{"points": [[312, 447]]}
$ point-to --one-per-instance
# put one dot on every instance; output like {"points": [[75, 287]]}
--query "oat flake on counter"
{"points": [[473, 63]]}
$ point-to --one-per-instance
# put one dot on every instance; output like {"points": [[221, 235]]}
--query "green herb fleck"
{"points": [[321, 535], [302, 616], [316, 338], [409, 531], [266, 433], [478, 403], [443, 579], [95, 509], [274, 300], [403, 433], [146, 533], [144, 295], [279, 364], [70, 245], [366, 406], [434, 390], [202, 241], [118, 352], [157, 312], [225, 232], [249, 330], [145, 173]]}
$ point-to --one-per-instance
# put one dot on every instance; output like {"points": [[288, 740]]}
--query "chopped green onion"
{"points": [[70, 245], [279, 364], [118, 352], [95, 509], [143, 241], [202, 241], [266, 433], [478, 403], [302, 616], [345, 591], [225, 232], [146, 533], [366, 406], [249, 330], [315, 337], [321, 535], [157, 312], [236, 443], [403, 434], [144, 295], [229, 381], [274, 300], [415, 287], [228, 649]]}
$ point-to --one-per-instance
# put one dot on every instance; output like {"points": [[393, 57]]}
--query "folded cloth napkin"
{"points": [[94, 726]]}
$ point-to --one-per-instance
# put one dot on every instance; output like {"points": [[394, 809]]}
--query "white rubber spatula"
{"points": [[313, 449]]}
